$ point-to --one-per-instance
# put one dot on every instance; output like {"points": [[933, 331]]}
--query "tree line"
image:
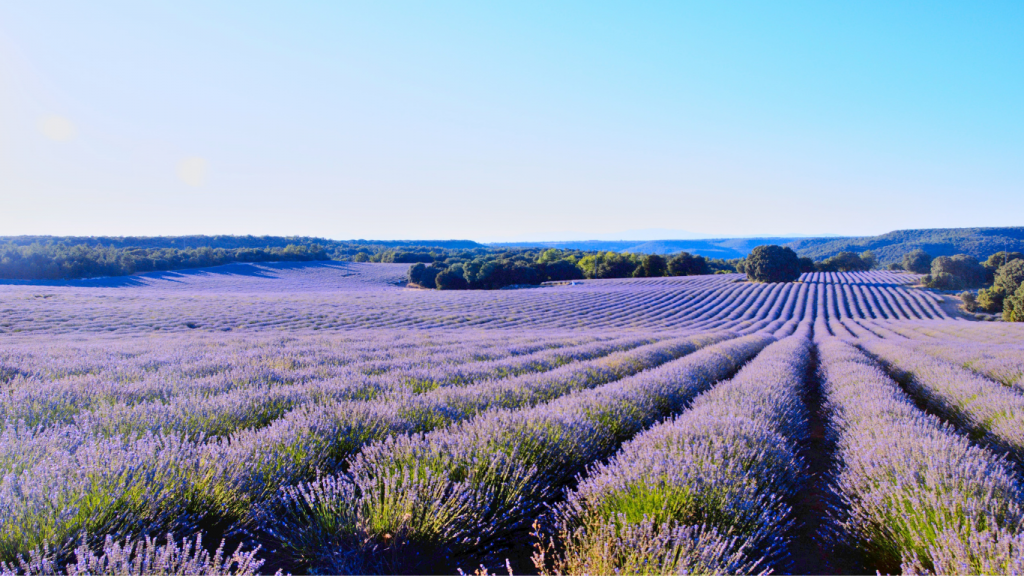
{"points": [[511, 267], [56, 261]]}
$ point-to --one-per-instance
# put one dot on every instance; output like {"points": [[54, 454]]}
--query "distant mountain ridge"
{"points": [[888, 248], [725, 248], [977, 242]]}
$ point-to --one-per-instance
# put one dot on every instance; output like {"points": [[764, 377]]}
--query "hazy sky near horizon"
{"points": [[489, 120]]}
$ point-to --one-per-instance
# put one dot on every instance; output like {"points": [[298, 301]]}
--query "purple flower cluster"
{"points": [[142, 558], [711, 487]]}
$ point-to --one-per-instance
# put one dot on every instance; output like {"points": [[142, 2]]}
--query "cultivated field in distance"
{"points": [[322, 417]]}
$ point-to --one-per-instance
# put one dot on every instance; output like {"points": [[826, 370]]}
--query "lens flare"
{"points": [[57, 128]]}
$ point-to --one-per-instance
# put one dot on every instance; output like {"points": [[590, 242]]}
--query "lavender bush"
{"points": [[706, 492]]}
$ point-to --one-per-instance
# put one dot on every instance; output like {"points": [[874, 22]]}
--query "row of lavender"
{"points": [[974, 385], [425, 501], [707, 492], [210, 378], [914, 494], [711, 491], [646, 304], [995, 351], [967, 375], [65, 482], [428, 481]]}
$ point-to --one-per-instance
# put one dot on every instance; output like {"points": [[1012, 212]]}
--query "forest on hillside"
{"points": [[979, 243]]}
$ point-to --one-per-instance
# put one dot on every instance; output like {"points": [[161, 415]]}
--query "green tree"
{"points": [[844, 262], [772, 263], [956, 273], [1013, 306], [588, 264], [450, 279], [550, 255], [651, 266], [1008, 279], [686, 264], [608, 265], [869, 258], [999, 258], [991, 299], [616, 266], [917, 261], [1010, 276]]}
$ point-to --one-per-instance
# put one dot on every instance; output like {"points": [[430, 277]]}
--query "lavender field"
{"points": [[323, 418]]}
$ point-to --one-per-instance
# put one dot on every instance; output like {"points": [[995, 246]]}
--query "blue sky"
{"points": [[490, 121]]}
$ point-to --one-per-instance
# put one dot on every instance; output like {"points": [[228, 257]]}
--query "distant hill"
{"points": [[977, 242], [725, 248]]}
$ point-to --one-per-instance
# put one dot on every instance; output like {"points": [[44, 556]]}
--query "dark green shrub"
{"points": [[807, 264], [970, 304], [423, 275], [401, 257], [561, 270], [917, 261], [686, 264], [450, 279], [991, 299], [772, 263]]}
